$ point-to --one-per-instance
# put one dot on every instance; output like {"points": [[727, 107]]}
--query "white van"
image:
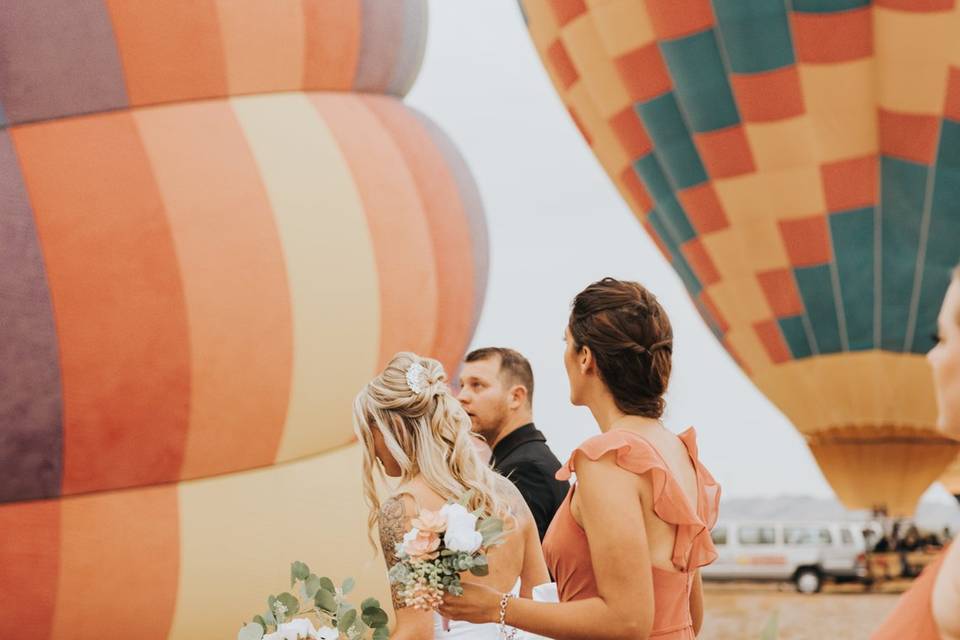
{"points": [[806, 554]]}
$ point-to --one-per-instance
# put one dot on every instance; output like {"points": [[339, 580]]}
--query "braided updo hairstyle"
{"points": [[428, 433], [631, 339]]}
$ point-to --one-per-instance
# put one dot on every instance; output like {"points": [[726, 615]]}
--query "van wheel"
{"points": [[808, 581]]}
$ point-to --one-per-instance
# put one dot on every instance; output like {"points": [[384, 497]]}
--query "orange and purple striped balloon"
{"points": [[218, 222]]}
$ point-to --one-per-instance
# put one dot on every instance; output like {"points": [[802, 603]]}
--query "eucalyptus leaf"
{"points": [[326, 601], [381, 633], [250, 631], [375, 617], [348, 585], [327, 583], [259, 620], [298, 571], [480, 570], [312, 585], [290, 602], [368, 603], [269, 618], [347, 620]]}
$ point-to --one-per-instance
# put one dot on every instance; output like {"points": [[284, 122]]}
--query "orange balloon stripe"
{"points": [[449, 228], [951, 109], [909, 136], [117, 298], [823, 38], [119, 553], [29, 568], [157, 65], [397, 223], [850, 184], [472, 205], [332, 43], [769, 96], [917, 6], [235, 283], [264, 44]]}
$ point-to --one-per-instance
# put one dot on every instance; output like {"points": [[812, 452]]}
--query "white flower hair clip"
{"points": [[417, 378]]}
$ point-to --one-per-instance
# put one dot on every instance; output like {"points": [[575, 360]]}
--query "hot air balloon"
{"points": [[798, 164], [218, 221]]}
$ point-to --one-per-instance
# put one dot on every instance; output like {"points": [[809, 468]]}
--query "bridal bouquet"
{"points": [[316, 599], [442, 545]]}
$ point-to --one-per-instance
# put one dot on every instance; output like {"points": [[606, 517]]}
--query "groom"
{"points": [[496, 390]]}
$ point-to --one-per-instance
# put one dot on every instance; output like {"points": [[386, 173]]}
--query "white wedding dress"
{"points": [[469, 631]]}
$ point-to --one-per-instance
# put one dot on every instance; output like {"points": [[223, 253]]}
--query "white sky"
{"points": [[556, 223]]}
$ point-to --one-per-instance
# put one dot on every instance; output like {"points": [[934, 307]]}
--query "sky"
{"points": [[556, 224]]}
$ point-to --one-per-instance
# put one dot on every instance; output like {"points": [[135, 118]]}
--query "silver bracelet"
{"points": [[512, 633]]}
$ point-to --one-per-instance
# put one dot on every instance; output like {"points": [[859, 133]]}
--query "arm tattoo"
{"points": [[392, 522]]}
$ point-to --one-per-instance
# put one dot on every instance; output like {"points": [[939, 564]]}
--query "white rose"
{"points": [[411, 535], [462, 534], [327, 633], [301, 629]]}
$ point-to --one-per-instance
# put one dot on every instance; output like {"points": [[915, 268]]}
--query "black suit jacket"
{"points": [[524, 457]]}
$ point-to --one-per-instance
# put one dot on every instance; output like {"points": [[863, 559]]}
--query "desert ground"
{"points": [[740, 611]]}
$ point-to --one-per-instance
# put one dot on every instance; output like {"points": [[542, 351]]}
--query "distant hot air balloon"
{"points": [[217, 222], [798, 164]]}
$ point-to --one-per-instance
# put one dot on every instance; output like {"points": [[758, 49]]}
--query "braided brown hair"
{"points": [[631, 339]]}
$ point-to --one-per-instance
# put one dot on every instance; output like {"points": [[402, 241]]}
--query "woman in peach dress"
{"points": [[930, 610], [627, 544]]}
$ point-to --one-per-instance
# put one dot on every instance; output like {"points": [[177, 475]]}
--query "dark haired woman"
{"points": [[627, 544]]}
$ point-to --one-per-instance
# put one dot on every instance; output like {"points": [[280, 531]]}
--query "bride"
{"points": [[414, 431]]}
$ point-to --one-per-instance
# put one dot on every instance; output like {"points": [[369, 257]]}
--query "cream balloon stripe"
{"points": [[396, 223], [335, 313]]}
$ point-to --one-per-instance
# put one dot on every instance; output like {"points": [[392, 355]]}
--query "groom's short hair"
{"points": [[513, 366]]}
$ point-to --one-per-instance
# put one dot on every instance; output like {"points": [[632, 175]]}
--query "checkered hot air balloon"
{"points": [[798, 163], [217, 222]]}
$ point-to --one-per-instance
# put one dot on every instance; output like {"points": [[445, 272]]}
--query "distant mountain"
{"points": [[930, 515]]}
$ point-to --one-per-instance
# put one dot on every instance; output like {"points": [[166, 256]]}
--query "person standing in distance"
{"points": [[496, 390]]}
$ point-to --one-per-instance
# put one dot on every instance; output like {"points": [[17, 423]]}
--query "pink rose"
{"points": [[432, 521], [421, 545]]}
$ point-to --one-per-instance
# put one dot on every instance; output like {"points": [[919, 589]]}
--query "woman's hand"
{"points": [[478, 604]]}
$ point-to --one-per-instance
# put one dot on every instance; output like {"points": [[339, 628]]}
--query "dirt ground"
{"points": [[739, 611]]}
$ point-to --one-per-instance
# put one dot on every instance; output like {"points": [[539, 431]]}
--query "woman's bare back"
{"points": [[519, 556]]}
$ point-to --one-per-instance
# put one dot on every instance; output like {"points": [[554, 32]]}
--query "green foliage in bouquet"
{"points": [[318, 599]]}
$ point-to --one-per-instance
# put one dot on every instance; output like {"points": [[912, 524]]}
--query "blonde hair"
{"points": [[428, 434]]}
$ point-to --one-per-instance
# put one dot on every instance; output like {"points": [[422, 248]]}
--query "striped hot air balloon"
{"points": [[217, 222], [798, 163]]}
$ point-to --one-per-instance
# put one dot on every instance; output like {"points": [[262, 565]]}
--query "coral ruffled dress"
{"points": [[568, 553]]}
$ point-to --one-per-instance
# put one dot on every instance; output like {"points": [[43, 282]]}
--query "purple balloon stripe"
{"points": [[31, 420], [59, 58]]}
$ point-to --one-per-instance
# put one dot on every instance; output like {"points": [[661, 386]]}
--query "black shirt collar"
{"points": [[523, 435]]}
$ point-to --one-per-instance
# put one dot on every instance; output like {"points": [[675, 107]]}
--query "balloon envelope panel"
{"points": [[795, 165]]}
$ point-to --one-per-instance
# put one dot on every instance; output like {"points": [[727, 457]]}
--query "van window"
{"points": [[756, 535], [797, 535], [846, 536], [825, 537], [719, 535]]}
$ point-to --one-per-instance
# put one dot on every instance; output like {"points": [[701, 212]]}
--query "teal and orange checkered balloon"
{"points": [[798, 164]]}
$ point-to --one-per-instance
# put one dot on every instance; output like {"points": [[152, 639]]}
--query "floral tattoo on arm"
{"points": [[392, 522]]}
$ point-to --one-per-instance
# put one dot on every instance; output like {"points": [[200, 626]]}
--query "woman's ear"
{"points": [[586, 360]]}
